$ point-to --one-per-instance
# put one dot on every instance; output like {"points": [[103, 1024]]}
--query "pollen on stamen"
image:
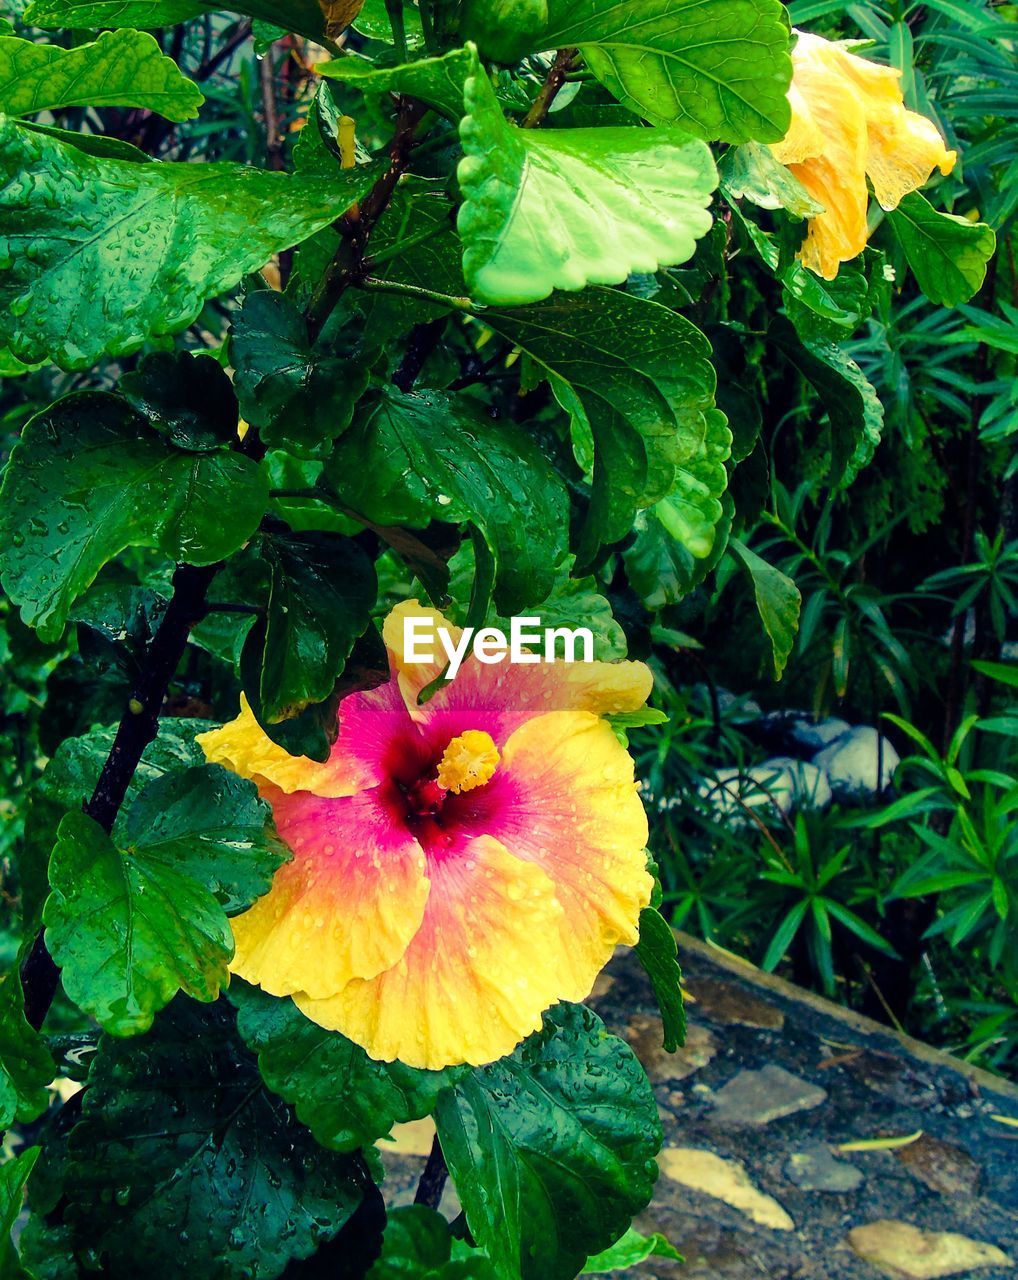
{"points": [[468, 761]]}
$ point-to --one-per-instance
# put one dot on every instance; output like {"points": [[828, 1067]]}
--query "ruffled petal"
{"points": [[564, 797], [345, 907], [476, 978]]}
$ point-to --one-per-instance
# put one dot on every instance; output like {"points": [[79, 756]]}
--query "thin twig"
{"points": [[273, 138], [211, 65], [553, 82]]}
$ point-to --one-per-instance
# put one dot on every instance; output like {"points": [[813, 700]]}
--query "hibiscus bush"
{"points": [[325, 316]]}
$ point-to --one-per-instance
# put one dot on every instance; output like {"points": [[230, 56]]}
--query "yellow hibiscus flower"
{"points": [[849, 123]]}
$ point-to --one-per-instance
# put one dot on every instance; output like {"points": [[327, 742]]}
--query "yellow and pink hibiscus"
{"points": [[850, 123], [458, 866]]}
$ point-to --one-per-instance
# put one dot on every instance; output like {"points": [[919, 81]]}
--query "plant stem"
{"points": [[433, 1179], [372, 283], [394, 8], [553, 82]]}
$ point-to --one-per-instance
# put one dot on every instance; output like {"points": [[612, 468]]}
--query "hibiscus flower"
{"points": [[849, 123], [458, 866]]}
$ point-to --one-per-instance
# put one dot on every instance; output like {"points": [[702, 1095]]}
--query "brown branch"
{"points": [[270, 112], [555, 79], [433, 1179], [211, 65]]}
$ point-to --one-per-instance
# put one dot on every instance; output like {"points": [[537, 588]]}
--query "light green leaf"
{"points": [[657, 951], [549, 209], [118, 69], [750, 172], [128, 931], [948, 255], [660, 566], [631, 1250], [88, 478], [97, 256], [637, 379], [312, 18], [13, 1176], [26, 1067], [778, 601], [347, 1099], [853, 407], [437, 81], [719, 68], [409, 459], [552, 1149]]}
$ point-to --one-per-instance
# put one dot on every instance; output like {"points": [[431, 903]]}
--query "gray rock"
{"points": [[813, 735], [806, 786], [851, 763], [813, 1168], [755, 1098]]}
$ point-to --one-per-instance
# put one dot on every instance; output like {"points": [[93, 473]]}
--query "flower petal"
{"points": [[348, 904], [567, 801], [475, 980]]}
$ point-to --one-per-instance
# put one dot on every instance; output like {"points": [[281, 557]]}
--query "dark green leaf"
{"points": [[548, 209], [312, 18], [552, 1149], [119, 69], [657, 952], [418, 1246], [413, 458], [778, 601], [947, 254], [128, 931], [99, 255], [89, 478], [320, 599], [301, 395], [346, 1099], [184, 1165], [26, 1067], [637, 379], [187, 398]]}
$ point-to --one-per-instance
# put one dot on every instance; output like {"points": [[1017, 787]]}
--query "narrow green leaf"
{"points": [[631, 1250], [548, 209], [947, 254], [89, 478], [552, 1149], [778, 601], [347, 1099], [657, 951], [120, 252], [118, 69]]}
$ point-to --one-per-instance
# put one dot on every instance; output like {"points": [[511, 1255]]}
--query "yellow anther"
{"points": [[347, 138], [468, 761]]}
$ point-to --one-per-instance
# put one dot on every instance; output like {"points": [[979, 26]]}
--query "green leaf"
{"points": [[187, 398], [853, 407], [312, 18], [26, 1067], [719, 68], [417, 1245], [322, 590], [409, 459], [778, 601], [128, 930], [631, 1250], [300, 395], [210, 825], [547, 209], [184, 1165], [13, 1176], [552, 1149], [657, 951], [750, 172], [437, 81], [118, 69], [89, 478], [346, 1099], [659, 564], [948, 255], [637, 379], [120, 252]]}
